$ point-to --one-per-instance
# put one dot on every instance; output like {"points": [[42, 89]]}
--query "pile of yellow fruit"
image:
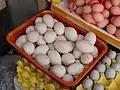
{"points": [[31, 78]]}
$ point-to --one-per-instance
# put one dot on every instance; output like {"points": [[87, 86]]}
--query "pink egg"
{"points": [[87, 1], [108, 4], [103, 23], [112, 18], [117, 33], [88, 18], [97, 8], [87, 9], [93, 2], [111, 29], [79, 10], [98, 17], [115, 2], [116, 21], [106, 13], [80, 2], [115, 10]]}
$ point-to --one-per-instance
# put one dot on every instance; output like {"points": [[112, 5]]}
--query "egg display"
{"points": [[99, 14], [58, 48], [105, 76]]}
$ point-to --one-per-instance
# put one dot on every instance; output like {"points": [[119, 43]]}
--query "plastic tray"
{"points": [[20, 30]]}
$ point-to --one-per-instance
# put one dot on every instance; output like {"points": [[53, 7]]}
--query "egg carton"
{"points": [[109, 82], [18, 86]]}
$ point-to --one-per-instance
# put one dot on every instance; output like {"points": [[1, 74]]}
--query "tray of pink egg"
{"points": [[99, 16], [104, 13]]}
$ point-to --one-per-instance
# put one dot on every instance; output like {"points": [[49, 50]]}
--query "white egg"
{"points": [[106, 61], [75, 68], [59, 28], [49, 29], [112, 54], [30, 28], [41, 28], [110, 73], [62, 37], [42, 49], [40, 40], [42, 59], [38, 20], [91, 37], [20, 41], [84, 46], [48, 20], [55, 58], [68, 58], [58, 70], [29, 48], [63, 46], [95, 52], [50, 36], [33, 36], [116, 67], [101, 68], [86, 58], [71, 34], [118, 58], [87, 83], [77, 54], [80, 37], [94, 75], [68, 78]]}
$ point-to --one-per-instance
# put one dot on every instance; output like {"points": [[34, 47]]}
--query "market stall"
{"points": [[69, 47]]}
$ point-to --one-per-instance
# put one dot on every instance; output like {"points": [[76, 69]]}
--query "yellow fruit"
{"points": [[80, 87], [41, 79], [25, 61], [26, 74], [57, 86], [26, 85], [32, 88], [19, 70], [41, 84], [47, 78], [50, 87], [19, 76], [33, 73], [33, 79], [56, 1], [32, 67], [20, 63], [27, 68], [40, 73], [20, 81]]}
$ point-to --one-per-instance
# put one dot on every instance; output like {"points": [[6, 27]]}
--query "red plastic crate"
{"points": [[20, 30]]}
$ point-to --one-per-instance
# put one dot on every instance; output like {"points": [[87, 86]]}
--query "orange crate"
{"points": [[20, 30]]}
